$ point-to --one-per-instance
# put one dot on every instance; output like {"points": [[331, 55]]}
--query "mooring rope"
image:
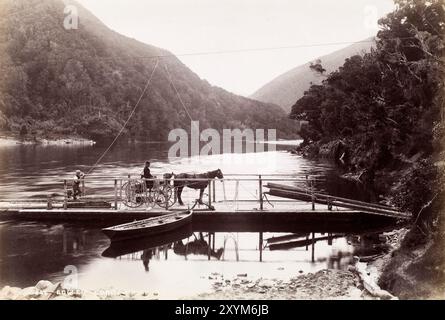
{"points": [[170, 79], [128, 119]]}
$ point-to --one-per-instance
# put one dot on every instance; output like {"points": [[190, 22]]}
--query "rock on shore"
{"points": [[45, 290]]}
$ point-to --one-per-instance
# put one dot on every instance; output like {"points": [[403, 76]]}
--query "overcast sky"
{"points": [[195, 26]]}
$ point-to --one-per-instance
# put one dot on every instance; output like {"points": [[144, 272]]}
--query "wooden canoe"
{"points": [[148, 227], [323, 196], [304, 196]]}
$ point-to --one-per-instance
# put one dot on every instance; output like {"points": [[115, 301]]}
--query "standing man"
{"points": [[146, 174], [76, 184]]}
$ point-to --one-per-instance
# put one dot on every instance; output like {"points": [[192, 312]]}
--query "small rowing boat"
{"points": [[148, 227]]}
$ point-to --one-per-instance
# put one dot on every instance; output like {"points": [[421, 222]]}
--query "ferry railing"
{"points": [[113, 186]]}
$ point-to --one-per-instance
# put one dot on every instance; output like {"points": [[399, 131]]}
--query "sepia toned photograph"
{"points": [[222, 150]]}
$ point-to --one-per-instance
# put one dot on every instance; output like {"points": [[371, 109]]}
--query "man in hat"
{"points": [[146, 174], [76, 184]]}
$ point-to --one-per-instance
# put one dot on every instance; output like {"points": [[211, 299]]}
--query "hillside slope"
{"points": [[85, 82], [287, 88]]}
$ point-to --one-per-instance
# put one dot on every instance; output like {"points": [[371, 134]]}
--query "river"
{"points": [[31, 251]]}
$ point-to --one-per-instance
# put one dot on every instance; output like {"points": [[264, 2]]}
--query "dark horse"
{"points": [[201, 185]]}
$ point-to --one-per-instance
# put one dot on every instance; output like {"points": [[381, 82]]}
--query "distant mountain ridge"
{"points": [[287, 88], [85, 82]]}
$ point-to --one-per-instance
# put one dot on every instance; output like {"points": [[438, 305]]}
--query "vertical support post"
{"points": [[164, 190], [115, 194], [307, 241], [65, 194], [330, 239], [120, 189], [49, 203], [83, 187], [312, 195], [145, 190], [214, 190], [128, 183], [260, 246], [210, 193], [208, 247], [260, 188]]}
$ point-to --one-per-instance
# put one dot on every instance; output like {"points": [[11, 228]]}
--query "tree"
{"points": [[317, 67]]}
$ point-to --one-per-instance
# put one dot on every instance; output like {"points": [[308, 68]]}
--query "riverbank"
{"points": [[412, 182], [416, 269], [13, 141], [327, 284]]}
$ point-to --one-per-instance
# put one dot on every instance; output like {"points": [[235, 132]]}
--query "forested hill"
{"points": [[85, 82], [287, 88]]}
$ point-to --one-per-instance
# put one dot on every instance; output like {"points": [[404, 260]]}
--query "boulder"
{"points": [[265, 283], [44, 285]]}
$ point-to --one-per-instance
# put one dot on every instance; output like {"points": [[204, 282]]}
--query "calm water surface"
{"points": [[31, 251]]}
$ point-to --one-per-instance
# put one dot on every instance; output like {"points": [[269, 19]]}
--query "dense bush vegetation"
{"points": [[385, 106], [85, 82], [386, 109]]}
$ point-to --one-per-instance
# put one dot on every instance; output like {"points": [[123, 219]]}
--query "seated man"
{"points": [[76, 184]]}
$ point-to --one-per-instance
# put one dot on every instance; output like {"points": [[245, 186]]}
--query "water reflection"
{"points": [[30, 252], [198, 246], [337, 250], [146, 256]]}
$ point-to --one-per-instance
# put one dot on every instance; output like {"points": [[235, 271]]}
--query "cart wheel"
{"points": [[165, 197], [132, 196]]}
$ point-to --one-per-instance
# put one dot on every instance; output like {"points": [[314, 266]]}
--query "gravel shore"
{"points": [[322, 285], [325, 284]]}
